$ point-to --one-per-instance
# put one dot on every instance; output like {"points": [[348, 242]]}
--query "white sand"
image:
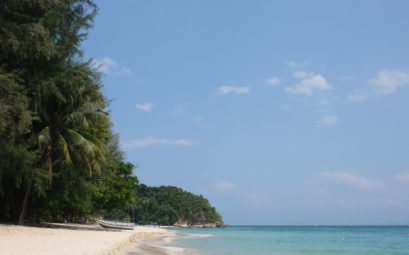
{"points": [[19, 240]]}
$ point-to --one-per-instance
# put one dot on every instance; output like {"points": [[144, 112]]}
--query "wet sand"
{"points": [[162, 245]]}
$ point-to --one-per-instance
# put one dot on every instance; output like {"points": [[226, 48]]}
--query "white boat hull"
{"points": [[116, 225]]}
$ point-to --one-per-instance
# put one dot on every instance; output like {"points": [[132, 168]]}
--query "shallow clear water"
{"points": [[295, 240]]}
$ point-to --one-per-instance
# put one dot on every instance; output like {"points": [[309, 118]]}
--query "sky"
{"points": [[278, 112]]}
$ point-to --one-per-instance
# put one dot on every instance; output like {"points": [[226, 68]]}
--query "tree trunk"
{"points": [[50, 165], [24, 208]]}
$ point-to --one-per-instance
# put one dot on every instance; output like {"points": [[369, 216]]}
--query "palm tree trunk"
{"points": [[24, 207], [50, 164]]}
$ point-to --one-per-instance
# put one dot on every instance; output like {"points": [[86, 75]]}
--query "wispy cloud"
{"points": [[323, 102], [197, 119], [145, 107], [402, 178], [235, 90], [309, 84], [387, 82], [224, 185], [179, 109], [145, 142], [294, 64], [109, 66], [358, 97], [351, 180], [273, 81], [328, 120], [300, 74]]}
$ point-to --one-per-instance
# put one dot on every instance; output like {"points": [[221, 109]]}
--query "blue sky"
{"points": [[279, 112]]}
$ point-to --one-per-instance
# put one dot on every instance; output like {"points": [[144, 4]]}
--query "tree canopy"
{"points": [[59, 159], [167, 205]]}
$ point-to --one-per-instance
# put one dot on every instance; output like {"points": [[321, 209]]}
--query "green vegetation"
{"points": [[59, 159], [167, 205]]}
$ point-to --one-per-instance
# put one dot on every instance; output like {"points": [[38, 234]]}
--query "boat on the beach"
{"points": [[116, 224]]}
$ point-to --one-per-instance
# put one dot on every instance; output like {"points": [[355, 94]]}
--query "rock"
{"points": [[185, 224]]}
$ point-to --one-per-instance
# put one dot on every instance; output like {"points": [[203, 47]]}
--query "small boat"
{"points": [[116, 224]]}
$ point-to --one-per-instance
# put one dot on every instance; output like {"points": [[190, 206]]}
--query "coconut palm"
{"points": [[71, 123], [71, 140], [72, 120]]}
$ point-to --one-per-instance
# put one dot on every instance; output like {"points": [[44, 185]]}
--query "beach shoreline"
{"points": [[159, 245], [71, 239]]}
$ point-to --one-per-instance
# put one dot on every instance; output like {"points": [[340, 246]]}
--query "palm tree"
{"points": [[71, 124], [70, 139]]}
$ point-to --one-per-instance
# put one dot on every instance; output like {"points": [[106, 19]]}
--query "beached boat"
{"points": [[116, 224]]}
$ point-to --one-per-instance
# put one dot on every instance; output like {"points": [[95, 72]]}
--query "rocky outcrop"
{"points": [[185, 224]]}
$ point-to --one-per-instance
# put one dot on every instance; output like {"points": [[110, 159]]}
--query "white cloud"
{"points": [[358, 97], [236, 90], [402, 178], [294, 64], [351, 180], [145, 107], [273, 81], [329, 120], [109, 66], [141, 143], [388, 82], [224, 185], [309, 85]]}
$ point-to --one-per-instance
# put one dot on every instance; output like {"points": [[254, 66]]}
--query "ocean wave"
{"points": [[151, 248], [171, 250], [166, 245], [162, 246], [199, 235], [169, 239], [190, 235]]}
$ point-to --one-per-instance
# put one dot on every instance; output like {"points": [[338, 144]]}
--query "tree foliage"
{"points": [[167, 205], [53, 119], [59, 159]]}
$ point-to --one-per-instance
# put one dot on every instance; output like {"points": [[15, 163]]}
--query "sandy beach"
{"points": [[71, 239]]}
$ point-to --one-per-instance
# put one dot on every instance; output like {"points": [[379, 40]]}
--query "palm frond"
{"points": [[97, 167], [63, 146], [44, 137], [99, 148], [81, 143], [98, 153], [100, 145], [76, 119], [97, 118], [88, 150], [88, 165]]}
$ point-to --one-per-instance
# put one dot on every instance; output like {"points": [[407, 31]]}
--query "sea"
{"points": [[283, 240]]}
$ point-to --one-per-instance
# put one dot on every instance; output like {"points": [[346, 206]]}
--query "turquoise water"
{"points": [[292, 240]]}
